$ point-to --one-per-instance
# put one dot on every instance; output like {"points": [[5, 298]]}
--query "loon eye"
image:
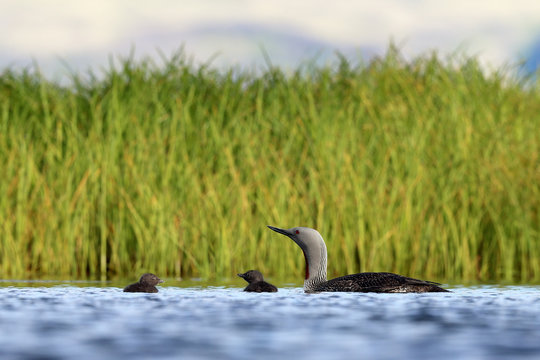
{"points": [[297, 232]]}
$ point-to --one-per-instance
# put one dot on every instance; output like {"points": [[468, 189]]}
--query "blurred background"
{"points": [[417, 165], [63, 35]]}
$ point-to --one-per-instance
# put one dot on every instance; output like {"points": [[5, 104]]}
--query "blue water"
{"points": [[72, 322]]}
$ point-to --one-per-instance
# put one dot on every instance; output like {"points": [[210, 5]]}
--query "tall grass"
{"points": [[428, 167]]}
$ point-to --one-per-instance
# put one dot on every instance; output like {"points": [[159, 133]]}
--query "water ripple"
{"points": [[65, 322]]}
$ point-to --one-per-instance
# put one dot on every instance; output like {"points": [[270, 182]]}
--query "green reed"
{"points": [[428, 167]]}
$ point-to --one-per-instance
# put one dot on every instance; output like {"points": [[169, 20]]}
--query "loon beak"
{"points": [[281, 231], [242, 275]]}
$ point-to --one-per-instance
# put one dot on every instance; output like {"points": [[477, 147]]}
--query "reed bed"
{"points": [[428, 167]]}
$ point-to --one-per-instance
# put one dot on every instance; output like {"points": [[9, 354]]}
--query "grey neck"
{"points": [[316, 268]]}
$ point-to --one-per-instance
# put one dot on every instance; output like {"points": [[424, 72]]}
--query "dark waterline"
{"points": [[88, 321]]}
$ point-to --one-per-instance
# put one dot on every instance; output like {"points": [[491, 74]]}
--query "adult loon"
{"points": [[256, 282], [147, 283], [314, 248]]}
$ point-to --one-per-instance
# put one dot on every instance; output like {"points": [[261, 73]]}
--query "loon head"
{"points": [[252, 276], [150, 279], [314, 248]]}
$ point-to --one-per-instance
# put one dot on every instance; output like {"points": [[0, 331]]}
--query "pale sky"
{"points": [[84, 34]]}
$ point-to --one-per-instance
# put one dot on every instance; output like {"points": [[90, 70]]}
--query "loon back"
{"points": [[381, 282], [260, 286]]}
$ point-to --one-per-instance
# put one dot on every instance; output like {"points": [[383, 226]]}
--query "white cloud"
{"points": [[496, 30]]}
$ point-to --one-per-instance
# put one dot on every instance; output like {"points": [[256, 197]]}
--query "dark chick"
{"points": [[256, 282], [147, 283]]}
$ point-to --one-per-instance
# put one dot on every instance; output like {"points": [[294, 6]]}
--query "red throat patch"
{"points": [[307, 264]]}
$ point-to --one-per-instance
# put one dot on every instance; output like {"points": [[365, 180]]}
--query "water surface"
{"points": [[66, 322]]}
